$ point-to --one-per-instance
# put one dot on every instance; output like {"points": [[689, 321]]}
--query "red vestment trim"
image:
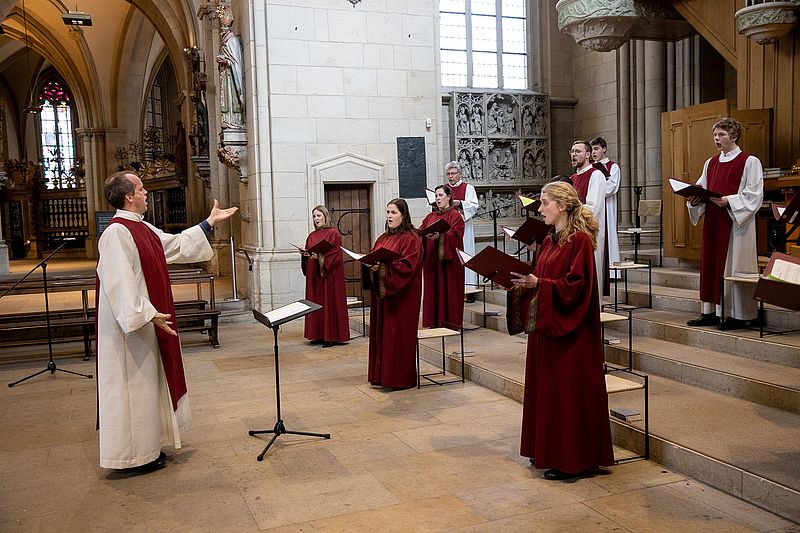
{"points": [[459, 191], [581, 183], [725, 179], [156, 277]]}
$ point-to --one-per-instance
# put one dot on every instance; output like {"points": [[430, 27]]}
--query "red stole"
{"points": [[156, 277], [459, 191], [725, 179], [609, 165], [581, 183]]}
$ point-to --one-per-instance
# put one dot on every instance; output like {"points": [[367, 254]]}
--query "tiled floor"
{"points": [[436, 459]]}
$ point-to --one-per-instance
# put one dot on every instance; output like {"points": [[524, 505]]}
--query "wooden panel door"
{"points": [[756, 133], [349, 206], [686, 142]]}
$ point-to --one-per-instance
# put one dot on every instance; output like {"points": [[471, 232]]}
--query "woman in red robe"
{"points": [[443, 300], [396, 296], [565, 426], [324, 272]]}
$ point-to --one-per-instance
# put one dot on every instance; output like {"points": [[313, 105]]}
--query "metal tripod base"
{"points": [[279, 430], [52, 368]]}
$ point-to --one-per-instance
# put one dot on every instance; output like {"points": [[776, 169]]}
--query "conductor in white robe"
{"points": [[465, 199], [729, 230], [141, 406]]}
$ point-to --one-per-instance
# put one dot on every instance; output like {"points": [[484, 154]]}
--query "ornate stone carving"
{"points": [[768, 22], [229, 157], [230, 61]]}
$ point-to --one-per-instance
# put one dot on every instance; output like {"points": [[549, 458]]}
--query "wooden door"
{"points": [[349, 206], [687, 141]]}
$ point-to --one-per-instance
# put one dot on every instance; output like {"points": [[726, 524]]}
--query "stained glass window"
{"points": [[58, 144]]}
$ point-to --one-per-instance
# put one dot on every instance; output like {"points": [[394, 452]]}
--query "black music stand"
{"points": [[273, 320], [51, 365]]}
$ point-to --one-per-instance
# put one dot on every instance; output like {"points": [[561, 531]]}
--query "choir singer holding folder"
{"points": [[729, 230], [565, 426], [443, 301], [323, 267], [396, 295]]}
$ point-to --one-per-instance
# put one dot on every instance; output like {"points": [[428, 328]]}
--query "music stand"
{"points": [[51, 365], [273, 320]]}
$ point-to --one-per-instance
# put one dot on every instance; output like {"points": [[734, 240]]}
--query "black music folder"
{"points": [[533, 230], [439, 225], [495, 266], [380, 255], [682, 188]]}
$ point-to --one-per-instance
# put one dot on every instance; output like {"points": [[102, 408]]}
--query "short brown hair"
{"points": [[587, 146], [732, 126], [599, 141], [117, 186]]}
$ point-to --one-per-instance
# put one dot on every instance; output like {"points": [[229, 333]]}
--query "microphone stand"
{"points": [[51, 365]]}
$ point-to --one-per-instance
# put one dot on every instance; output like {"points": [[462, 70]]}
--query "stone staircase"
{"points": [[724, 406]]}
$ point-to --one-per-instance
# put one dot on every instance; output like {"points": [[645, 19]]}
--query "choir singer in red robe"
{"points": [[443, 300], [396, 296], [565, 426], [325, 283]]}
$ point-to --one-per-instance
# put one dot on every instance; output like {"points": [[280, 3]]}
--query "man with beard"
{"points": [[591, 186]]}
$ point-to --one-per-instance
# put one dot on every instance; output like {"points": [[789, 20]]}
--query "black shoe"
{"points": [[532, 461], [156, 464], [554, 474], [315, 341], [706, 319], [327, 344]]}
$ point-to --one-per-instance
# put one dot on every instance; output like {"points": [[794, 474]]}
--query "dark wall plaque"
{"points": [[411, 166], [102, 218]]}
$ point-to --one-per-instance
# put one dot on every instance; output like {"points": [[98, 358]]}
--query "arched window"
{"points": [[160, 115], [58, 143]]}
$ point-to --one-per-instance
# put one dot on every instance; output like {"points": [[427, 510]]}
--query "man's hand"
{"points": [[694, 200], [218, 215], [160, 321], [722, 202]]}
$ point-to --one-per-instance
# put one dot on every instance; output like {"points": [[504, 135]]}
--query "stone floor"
{"points": [[440, 458]]}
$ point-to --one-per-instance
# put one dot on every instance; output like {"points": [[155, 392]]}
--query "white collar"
{"points": [[724, 158], [605, 160], [130, 215], [584, 169], [458, 183]]}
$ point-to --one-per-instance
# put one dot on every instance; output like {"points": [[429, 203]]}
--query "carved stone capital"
{"points": [[601, 27], [768, 22], [202, 166]]}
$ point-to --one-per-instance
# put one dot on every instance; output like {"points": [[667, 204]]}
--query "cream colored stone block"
{"points": [[420, 108], [327, 106], [392, 83], [321, 23], [421, 84], [349, 26], [392, 128], [319, 80], [418, 30], [283, 79], [421, 7], [402, 57], [352, 130], [384, 108], [422, 58], [351, 147], [336, 54], [372, 56], [288, 184], [386, 56], [288, 106], [291, 209], [293, 130], [359, 82], [288, 157], [315, 152], [384, 28], [289, 52], [356, 107], [383, 152], [289, 22]]}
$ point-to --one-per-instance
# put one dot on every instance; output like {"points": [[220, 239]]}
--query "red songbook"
{"points": [[788, 214], [320, 247], [439, 225], [686, 189], [379, 255], [495, 266], [533, 230]]}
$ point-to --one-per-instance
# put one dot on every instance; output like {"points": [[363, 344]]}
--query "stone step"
{"points": [[738, 446], [756, 381], [670, 326]]}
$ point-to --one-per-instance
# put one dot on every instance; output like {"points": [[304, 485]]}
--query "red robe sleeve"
{"points": [[453, 239], [392, 277], [333, 257]]}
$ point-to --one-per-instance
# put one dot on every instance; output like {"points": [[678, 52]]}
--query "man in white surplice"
{"points": [[137, 414], [465, 199]]}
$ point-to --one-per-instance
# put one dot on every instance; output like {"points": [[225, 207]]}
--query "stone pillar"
{"points": [[624, 121], [93, 143], [655, 104]]}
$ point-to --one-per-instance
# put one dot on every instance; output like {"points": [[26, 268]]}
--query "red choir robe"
{"points": [[394, 312], [443, 299], [723, 179], [325, 286], [565, 421]]}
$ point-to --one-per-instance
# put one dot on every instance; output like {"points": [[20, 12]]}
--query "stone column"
{"points": [[93, 142], [624, 121], [655, 104]]}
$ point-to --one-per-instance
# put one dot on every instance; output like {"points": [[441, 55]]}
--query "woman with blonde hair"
{"points": [[323, 265], [565, 427]]}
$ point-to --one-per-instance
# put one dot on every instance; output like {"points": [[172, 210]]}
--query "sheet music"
{"points": [[352, 254], [431, 195], [509, 231], [287, 310], [678, 185], [785, 271], [526, 201], [464, 256]]}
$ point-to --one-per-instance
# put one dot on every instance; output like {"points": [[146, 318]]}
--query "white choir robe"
{"points": [[612, 188], [596, 202], [135, 409], [469, 206], [742, 249]]}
